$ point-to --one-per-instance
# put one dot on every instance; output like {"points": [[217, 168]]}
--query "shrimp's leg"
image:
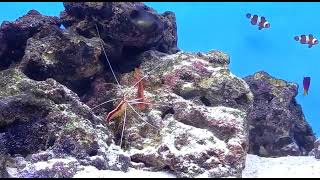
{"points": [[142, 118], [140, 93], [137, 102], [105, 103], [123, 126]]}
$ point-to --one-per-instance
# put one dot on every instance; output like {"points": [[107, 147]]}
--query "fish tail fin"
{"points": [[248, 15], [296, 38], [305, 92]]}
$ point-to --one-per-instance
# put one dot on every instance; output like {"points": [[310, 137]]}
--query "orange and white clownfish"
{"points": [[258, 20], [307, 40]]}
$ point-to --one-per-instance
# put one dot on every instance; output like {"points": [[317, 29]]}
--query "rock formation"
{"points": [[44, 121], [277, 124], [56, 88], [195, 133], [51, 126], [14, 35], [316, 150], [126, 28]]}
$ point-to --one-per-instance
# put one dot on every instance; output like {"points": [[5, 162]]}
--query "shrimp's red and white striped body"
{"points": [[121, 108], [123, 104]]}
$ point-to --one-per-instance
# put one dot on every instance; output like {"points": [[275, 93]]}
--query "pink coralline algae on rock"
{"points": [[194, 137]]}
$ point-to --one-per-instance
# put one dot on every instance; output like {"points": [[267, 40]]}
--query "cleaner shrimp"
{"points": [[121, 108]]}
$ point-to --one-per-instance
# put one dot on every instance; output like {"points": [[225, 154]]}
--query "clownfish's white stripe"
{"points": [[258, 20], [307, 39], [314, 40], [265, 23]]}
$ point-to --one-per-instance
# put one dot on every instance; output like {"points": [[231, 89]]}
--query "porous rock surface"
{"points": [[184, 128], [56, 89], [277, 124]]}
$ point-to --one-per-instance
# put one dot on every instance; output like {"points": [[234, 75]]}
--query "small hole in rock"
{"points": [[51, 141], [255, 149], [80, 87], [36, 72], [242, 100], [93, 153], [205, 101], [167, 169], [168, 111], [134, 14], [131, 51]]}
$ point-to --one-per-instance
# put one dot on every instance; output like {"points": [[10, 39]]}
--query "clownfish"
{"points": [[257, 20], [306, 84], [307, 40]]}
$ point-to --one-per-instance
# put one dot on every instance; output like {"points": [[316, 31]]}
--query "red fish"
{"points": [[258, 20], [306, 85], [307, 40]]}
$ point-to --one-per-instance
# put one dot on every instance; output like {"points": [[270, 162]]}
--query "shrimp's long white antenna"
{"points": [[137, 102], [141, 117], [105, 54], [123, 126], [105, 103]]}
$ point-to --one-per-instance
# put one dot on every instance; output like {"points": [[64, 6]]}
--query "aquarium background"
{"points": [[223, 26]]}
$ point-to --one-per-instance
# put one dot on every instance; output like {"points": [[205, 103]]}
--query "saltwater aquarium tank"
{"points": [[159, 89]]}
